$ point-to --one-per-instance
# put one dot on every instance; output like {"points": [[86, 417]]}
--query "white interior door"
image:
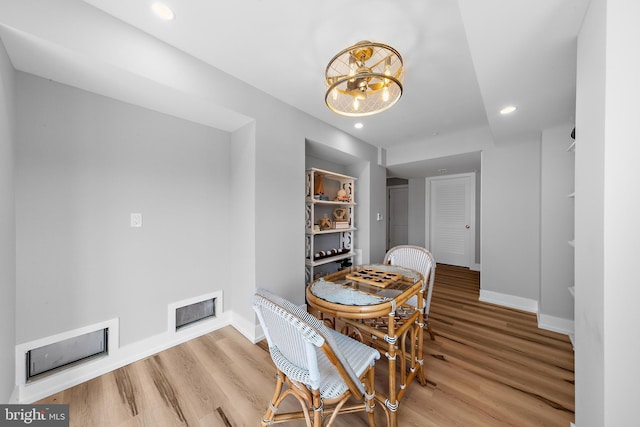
{"points": [[452, 219], [398, 216]]}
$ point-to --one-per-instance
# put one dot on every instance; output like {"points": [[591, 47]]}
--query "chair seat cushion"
{"points": [[359, 356]]}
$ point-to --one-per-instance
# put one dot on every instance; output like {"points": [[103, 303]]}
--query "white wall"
{"points": [[556, 224], [242, 226], [622, 204], [7, 228], [589, 219], [84, 163], [511, 219], [607, 202], [315, 162]]}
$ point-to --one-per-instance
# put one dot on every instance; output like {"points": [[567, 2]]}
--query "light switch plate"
{"points": [[136, 220]]}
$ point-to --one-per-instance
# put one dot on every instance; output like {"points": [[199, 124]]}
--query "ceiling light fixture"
{"points": [[358, 126], [364, 79], [163, 11], [508, 109]]}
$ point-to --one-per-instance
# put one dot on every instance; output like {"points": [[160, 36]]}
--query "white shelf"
{"points": [[330, 259], [330, 174], [332, 230], [330, 202]]}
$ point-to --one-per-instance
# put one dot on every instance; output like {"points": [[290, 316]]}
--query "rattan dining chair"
{"points": [[322, 368], [421, 260]]}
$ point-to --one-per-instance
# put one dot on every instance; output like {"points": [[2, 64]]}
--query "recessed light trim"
{"points": [[163, 11], [358, 125], [508, 109]]}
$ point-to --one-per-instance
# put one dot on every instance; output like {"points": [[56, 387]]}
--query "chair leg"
{"points": [[431, 334], [267, 419], [370, 403], [317, 409], [427, 325]]}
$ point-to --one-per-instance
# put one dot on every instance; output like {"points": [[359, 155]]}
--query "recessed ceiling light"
{"points": [[358, 125], [442, 170], [163, 11], [508, 109]]}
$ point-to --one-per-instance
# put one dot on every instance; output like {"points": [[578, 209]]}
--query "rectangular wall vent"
{"points": [[63, 354], [192, 313]]}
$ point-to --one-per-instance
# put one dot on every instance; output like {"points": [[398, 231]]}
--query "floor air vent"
{"points": [[192, 313], [63, 354]]}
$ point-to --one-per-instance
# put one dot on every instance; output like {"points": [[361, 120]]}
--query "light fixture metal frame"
{"points": [[359, 54]]}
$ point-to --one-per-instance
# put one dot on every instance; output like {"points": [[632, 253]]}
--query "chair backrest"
{"points": [[297, 341], [418, 259]]}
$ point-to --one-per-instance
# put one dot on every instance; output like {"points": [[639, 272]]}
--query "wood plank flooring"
{"points": [[489, 366]]}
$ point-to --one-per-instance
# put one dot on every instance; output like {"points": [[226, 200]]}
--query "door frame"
{"points": [[471, 257]]}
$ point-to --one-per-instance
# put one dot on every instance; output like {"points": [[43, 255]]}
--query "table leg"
{"points": [[392, 400], [420, 355]]}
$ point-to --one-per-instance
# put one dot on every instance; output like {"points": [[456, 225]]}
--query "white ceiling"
{"points": [[464, 60]]}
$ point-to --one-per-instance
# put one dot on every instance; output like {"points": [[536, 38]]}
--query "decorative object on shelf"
{"points": [[316, 227], [340, 214], [319, 191], [364, 79], [329, 253], [324, 223], [342, 196]]}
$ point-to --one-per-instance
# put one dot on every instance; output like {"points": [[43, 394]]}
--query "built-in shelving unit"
{"points": [[329, 222]]}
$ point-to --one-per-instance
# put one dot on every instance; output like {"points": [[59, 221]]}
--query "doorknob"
{"points": [[467, 226]]}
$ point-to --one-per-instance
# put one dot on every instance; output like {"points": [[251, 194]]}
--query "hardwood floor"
{"points": [[489, 366]]}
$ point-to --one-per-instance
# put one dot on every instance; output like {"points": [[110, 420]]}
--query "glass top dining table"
{"points": [[369, 303]]}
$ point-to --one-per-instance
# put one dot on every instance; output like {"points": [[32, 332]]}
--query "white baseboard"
{"points": [[251, 330], [476, 267], [555, 324], [511, 301], [545, 321], [572, 337]]}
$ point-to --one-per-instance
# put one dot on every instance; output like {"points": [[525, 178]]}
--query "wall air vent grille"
{"points": [[66, 353], [196, 312]]}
